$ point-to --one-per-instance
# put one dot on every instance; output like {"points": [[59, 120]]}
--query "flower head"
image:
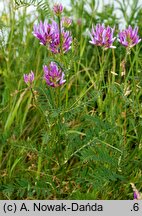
{"points": [[58, 9], [53, 75], [66, 42], [49, 36], [45, 31], [66, 22], [29, 78], [102, 36], [129, 37]]}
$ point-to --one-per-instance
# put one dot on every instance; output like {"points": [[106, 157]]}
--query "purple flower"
{"points": [[49, 36], [29, 78], [58, 9], [66, 22], [66, 42], [129, 37], [102, 36], [53, 75], [45, 32]]}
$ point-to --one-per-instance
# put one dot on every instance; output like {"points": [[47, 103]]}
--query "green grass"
{"points": [[80, 141]]}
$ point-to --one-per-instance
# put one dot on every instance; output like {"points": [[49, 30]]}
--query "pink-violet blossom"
{"points": [[102, 36], [29, 78], [66, 22], [49, 35], [129, 37], [45, 32], [58, 9], [53, 75]]}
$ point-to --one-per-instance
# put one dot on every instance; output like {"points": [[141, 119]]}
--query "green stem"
{"points": [[114, 66], [39, 163], [100, 81], [60, 36], [102, 69]]}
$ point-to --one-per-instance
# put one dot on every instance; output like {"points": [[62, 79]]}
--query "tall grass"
{"points": [[82, 140]]}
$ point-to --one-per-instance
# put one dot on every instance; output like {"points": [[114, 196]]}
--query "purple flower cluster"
{"points": [[66, 22], [54, 36], [57, 40], [53, 75], [103, 36], [29, 78], [49, 35], [129, 37], [58, 9], [44, 32]]}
